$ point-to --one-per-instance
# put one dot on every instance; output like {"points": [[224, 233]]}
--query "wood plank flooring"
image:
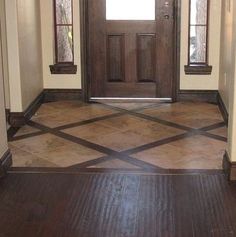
{"points": [[117, 205]]}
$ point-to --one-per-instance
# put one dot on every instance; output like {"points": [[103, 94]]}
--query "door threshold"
{"points": [[130, 100]]}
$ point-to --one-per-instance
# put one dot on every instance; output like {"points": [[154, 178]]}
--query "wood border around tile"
{"points": [[5, 163], [229, 167]]}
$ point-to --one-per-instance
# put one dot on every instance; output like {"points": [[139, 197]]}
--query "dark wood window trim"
{"points": [[198, 68], [62, 67]]}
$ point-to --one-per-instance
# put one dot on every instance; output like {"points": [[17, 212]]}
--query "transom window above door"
{"points": [[130, 9]]}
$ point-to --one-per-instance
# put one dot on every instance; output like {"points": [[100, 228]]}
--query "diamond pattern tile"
{"points": [[83, 144]]}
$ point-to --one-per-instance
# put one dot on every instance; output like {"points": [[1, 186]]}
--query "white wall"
{"points": [[58, 81], [201, 82]]}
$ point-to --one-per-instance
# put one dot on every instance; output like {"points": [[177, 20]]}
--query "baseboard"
{"points": [[209, 96], [229, 168], [18, 119], [223, 109], [52, 95], [5, 163]]}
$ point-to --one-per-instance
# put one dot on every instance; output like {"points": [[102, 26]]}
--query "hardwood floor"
{"points": [[117, 205]]}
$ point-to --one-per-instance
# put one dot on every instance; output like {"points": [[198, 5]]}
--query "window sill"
{"points": [[63, 68], [198, 69]]}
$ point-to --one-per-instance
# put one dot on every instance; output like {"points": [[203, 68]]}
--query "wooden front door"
{"points": [[130, 58]]}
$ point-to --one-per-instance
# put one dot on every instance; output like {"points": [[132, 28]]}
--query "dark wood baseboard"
{"points": [[5, 163], [223, 109], [209, 96], [18, 119], [52, 95], [229, 168]]}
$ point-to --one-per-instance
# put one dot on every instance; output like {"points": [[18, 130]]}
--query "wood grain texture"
{"points": [[105, 205]]}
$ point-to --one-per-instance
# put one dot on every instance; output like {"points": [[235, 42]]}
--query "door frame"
{"points": [[84, 39]]}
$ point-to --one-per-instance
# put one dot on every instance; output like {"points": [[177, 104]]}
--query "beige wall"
{"points": [[30, 50], [206, 82], [229, 31], [3, 134], [58, 81], [23, 33], [13, 56], [227, 53], [4, 54]]}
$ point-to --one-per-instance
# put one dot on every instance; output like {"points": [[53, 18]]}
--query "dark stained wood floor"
{"points": [[117, 205]]}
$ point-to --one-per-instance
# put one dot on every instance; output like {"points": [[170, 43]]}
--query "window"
{"points": [[130, 9], [198, 38], [64, 38]]}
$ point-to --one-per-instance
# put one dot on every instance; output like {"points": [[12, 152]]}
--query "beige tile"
{"points": [[42, 143], [195, 115], [125, 122], [94, 130], [56, 150], [70, 155], [72, 116], [220, 132], [57, 119], [156, 131], [122, 141], [25, 159]]}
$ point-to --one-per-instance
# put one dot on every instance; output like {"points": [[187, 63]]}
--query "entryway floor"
{"points": [[139, 137]]}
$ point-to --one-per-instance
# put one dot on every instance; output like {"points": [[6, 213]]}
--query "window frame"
{"points": [[198, 68], [62, 67]]}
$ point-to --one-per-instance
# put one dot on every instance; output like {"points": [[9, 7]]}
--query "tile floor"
{"points": [[127, 136]]}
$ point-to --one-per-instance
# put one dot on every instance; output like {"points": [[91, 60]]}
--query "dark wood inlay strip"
{"points": [[93, 146]]}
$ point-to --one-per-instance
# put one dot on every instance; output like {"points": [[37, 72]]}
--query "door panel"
{"points": [[131, 58]]}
